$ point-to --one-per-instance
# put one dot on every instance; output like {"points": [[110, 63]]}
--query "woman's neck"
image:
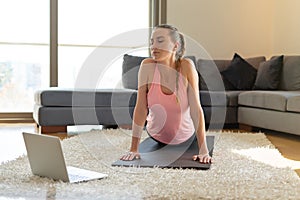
{"points": [[168, 62]]}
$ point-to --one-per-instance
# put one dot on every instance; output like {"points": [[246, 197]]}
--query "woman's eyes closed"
{"points": [[158, 41]]}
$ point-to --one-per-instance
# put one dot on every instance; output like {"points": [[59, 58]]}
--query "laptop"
{"points": [[46, 159]]}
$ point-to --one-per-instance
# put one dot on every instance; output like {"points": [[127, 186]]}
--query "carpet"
{"points": [[246, 166]]}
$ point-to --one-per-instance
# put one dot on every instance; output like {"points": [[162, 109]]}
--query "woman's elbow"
{"points": [[140, 112]]}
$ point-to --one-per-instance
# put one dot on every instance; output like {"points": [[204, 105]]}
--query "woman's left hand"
{"points": [[203, 158]]}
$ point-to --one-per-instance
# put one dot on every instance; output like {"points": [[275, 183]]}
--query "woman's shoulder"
{"points": [[148, 61], [187, 62], [187, 65], [147, 66]]}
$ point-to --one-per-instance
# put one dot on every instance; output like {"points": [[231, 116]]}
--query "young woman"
{"points": [[168, 96]]}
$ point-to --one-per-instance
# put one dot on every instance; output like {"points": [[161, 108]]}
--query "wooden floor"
{"points": [[287, 144], [12, 144]]}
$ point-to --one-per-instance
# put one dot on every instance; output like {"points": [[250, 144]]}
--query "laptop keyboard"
{"points": [[76, 177], [77, 174]]}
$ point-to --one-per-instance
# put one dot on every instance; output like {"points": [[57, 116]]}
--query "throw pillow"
{"points": [[290, 76], [240, 73], [130, 70], [268, 74]]}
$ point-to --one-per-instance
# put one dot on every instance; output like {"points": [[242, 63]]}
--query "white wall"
{"points": [[248, 27]]}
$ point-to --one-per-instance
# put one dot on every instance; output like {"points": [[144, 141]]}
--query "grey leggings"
{"points": [[187, 142]]}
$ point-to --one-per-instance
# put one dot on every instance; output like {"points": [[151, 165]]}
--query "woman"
{"points": [[168, 89]]}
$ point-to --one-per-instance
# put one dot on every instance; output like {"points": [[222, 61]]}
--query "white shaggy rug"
{"points": [[246, 166]]}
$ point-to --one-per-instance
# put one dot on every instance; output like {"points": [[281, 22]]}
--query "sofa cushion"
{"points": [[219, 98], [290, 77], [240, 73], [130, 69], [275, 100], [268, 74], [65, 116], [255, 61], [209, 73], [211, 79], [293, 103], [60, 97]]}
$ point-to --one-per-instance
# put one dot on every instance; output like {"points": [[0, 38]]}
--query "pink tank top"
{"points": [[169, 120]]}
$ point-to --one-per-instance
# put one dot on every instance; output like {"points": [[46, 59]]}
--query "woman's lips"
{"points": [[155, 53]]}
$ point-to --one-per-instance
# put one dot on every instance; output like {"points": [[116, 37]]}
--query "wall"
{"points": [[224, 27], [249, 27], [286, 32]]}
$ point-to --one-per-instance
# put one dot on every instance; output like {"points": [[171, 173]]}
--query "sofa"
{"points": [[270, 100], [57, 108], [277, 110], [238, 92]]}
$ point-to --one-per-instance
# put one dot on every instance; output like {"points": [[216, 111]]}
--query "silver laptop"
{"points": [[46, 159]]}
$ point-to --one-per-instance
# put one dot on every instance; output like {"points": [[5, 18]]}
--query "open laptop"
{"points": [[46, 159]]}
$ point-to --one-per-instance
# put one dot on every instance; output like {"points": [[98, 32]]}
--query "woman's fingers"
{"points": [[130, 156], [195, 157], [202, 158]]}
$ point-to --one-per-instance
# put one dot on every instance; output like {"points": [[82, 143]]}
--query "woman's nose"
{"points": [[153, 46]]}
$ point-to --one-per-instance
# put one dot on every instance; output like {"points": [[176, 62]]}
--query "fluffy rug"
{"points": [[246, 166]]}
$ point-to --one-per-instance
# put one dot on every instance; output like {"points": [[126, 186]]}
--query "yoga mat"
{"points": [[154, 154]]}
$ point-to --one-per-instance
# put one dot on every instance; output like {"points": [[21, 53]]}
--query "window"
{"points": [[24, 52], [84, 26]]}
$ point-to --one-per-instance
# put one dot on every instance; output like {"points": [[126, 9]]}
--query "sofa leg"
{"points": [[245, 127], [37, 128], [52, 129]]}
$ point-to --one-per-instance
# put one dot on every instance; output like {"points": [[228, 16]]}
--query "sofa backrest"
{"points": [[290, 76], [130, 69], [207, 68], [223, 64]]}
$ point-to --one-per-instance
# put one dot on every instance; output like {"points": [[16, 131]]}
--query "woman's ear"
{"points": [[176, 46]]}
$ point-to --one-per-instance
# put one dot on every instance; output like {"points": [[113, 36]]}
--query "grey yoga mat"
{"points": [[154, 154]]}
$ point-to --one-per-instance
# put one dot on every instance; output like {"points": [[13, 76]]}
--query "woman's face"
{"points": [[161, 45]]}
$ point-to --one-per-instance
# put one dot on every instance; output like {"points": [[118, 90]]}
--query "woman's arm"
{"points": [[140, 110], [196, 110]]}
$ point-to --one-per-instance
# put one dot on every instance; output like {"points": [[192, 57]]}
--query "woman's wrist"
{"points": [[137, 130], [133, 149], [203, 150]]}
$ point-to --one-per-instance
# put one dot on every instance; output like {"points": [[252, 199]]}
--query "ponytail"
{"points": [[180, 51]]}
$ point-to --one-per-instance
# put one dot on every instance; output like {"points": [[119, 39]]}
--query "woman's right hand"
{"points": [[131, 156]]}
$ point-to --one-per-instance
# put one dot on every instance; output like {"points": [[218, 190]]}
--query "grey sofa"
{"points": [[57, 108], [273, 104], [276, 110], [223, 104], [219, 99]]}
